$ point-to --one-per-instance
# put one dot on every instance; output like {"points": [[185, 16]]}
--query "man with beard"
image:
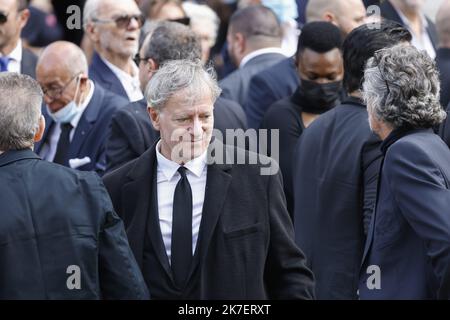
{"points": [[113, 27], [320, 68]]}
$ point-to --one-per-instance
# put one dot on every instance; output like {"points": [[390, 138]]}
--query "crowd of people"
{"points": [[249, 149]]}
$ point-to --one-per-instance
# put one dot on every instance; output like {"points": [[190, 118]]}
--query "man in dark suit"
{"points": [[336, 164], [254, 44], [78, 112], [60, 237], [410, 15], [443, 53], [14, 15], [199, 226], [131, 130], [281, 80], [113, 27], [407, 253]]}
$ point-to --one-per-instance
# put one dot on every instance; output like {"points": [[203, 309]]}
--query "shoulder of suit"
{"points": [[254, 161]]}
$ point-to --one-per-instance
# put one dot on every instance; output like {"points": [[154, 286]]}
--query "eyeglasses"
{"points": [[4, 16], [55, 93], [186, 21], [137, 59], [123, 21]]}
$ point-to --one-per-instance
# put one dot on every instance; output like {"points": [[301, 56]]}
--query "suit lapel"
{"points": [[86, 123], [140, 200], [108, 79], [218, 181]]}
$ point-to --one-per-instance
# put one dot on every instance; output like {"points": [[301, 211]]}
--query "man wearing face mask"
{"points": [[78, 113], [320, 68]]}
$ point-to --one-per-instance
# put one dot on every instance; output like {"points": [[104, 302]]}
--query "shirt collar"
{"points": [[408, 23], [120, 73], [259, 52], [84, 105], [169, 168], [16, 54]]}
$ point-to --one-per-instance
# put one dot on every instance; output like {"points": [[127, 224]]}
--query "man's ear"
{"points": [[24, 16], [93, 32], [240, 42], [330, 17], [152, 66], [154, 117], [40, 132]]}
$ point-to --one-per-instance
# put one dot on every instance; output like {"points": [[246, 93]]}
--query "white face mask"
{"points": [[68, 112]]}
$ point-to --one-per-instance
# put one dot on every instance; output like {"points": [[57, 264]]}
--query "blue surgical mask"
{"points": [[68, 112]]}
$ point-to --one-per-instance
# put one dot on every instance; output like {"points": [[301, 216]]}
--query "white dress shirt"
{"points": [[167, 179], [130, 83], [259, 52], [15, 58], [48, 151], [423, 42]]}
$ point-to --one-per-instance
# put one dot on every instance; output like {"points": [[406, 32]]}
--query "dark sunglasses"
{"points": [[186, 21], [3, 17], [137, 59], [122, 22]]}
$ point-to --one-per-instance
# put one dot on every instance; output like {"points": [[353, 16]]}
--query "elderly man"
{"points": [[131, 130], [254, 44], [407, 254], [60, 237], [201, 228], [281, 80], [336, 164], [78, 113], [113, 26], [13, 56]]}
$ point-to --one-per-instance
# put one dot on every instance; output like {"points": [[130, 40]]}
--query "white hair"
{"points": [[203, 15], [90, 11]]}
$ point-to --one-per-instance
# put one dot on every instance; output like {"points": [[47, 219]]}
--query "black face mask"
{"points": [[317, 98]]}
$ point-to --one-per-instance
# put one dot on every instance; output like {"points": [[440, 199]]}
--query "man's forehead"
{"points": [[7, 5], [114, 7]]}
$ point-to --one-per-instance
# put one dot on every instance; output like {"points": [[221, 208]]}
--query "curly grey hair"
{"points": [[20, 111], [401, 87], [177, 75]]}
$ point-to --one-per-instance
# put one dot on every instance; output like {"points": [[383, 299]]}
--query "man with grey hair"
{"points": [[407, 253], [78, 112], [200, 227], [131, 130], [254, 44], [60, 237], [113, 26]]}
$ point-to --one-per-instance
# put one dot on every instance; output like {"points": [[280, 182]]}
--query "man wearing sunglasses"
{"points": [[14, 15], [78, 112], [113, 26]]}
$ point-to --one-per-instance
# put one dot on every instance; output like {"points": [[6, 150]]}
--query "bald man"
{"points": [[77, 111], [443, 53], [113, 26], [345, 14]]}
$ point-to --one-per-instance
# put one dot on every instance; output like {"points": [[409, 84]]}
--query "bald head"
{"points": [[345, 14], [443, 24], [64, 56]]}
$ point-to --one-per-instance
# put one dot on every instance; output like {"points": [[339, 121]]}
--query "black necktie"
{"points": [[62, 149], [181, 251]]}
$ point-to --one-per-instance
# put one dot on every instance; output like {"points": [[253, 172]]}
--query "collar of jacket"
{"points": [[355, 101], [17, 155], [397, 134]]}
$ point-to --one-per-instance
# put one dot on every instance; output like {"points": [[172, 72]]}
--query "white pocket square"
{"points": [[76, 163]]}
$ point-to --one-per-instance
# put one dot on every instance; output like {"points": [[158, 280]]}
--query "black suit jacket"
{"points": [[91, 132], [410, 229], [269, 86], [389, 12], [336, 164], [235, 86], [246, 247], [52, 218], [132, 132], [100, 73], [28, 64], [443, 64]]}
